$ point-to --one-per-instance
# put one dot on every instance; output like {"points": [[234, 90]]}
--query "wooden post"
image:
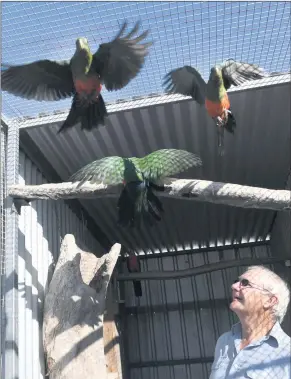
{"points": [[73, 313], [111, 335]]}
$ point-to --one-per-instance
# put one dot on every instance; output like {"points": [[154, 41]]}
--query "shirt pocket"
{"points": [[266, 373]]}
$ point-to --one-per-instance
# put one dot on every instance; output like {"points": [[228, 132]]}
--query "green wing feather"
{"points": [[108, 170], [156, 165], [167, 162]]}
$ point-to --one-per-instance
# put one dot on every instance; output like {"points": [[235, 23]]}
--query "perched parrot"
{"points": [[213, 94], [114, 64], [139, 176], [133, 265]]}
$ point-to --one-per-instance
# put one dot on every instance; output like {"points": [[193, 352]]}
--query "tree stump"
{"points": [[73, 313]]}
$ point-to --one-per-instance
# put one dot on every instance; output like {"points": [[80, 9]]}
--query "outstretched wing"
{"points": [[167, 162], [40, 80], [108, 170], [186, 81], [120, 60], [236, 73]]}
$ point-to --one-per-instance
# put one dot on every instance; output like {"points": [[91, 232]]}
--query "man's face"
{"points": [[249, 296]]}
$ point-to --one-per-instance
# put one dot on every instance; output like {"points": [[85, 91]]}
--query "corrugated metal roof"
{"points": [[141, 101], [257, 155]]}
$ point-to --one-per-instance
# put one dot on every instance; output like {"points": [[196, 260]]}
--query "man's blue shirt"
{"points": [[267, 358]]}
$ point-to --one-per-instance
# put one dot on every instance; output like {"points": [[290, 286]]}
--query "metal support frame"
{"points": [[10, 361], [3, 145], [172, 362], [206, 249], [199, 270], [123, 327], [187, 306]]}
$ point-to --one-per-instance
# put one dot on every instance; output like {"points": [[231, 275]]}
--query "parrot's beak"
{"points": [[81, 43]]}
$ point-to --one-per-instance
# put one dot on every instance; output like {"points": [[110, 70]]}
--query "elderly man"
{"points": [[256, 347]]}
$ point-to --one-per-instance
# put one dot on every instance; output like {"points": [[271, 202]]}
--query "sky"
{"points": [[184, 33]]}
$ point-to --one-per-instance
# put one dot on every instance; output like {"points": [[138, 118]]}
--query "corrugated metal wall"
{"points": [[42, 225], [281, 232], [171, 331], [280, 243]]}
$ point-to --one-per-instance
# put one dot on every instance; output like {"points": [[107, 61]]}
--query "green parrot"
{"points": [[114, 65], [213, 94], [139, 176]]}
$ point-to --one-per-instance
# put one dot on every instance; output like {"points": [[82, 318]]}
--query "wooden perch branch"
{"points": [[73, 313], [199, 190], [164, 275]]}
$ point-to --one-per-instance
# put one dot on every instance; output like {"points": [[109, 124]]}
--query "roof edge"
{"points": [[154, 99]]}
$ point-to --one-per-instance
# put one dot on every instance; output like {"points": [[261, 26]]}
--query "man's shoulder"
{"points": [[225, 337], [284, 340], [228, 337]]}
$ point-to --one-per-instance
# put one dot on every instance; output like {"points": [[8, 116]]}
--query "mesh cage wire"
{"points": [[200, 34], [262, 292], [3, 140]]}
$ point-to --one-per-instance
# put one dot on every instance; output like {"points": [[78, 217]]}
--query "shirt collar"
{"points": [[236, 330], [276, 332]]}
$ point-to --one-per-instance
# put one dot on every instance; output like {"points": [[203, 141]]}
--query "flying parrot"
{"points": [[113, 65], [213, 94], [139, 176]]}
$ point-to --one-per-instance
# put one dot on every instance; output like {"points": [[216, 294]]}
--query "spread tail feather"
{"points": [[90, 115], [136, 202], [220, 139]]}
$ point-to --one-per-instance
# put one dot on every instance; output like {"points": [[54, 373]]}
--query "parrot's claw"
{"points": [[219, 122]]}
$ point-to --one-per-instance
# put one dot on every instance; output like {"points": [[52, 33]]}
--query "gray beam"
{"points": [[10, 361], [186, 306], [199, 250], [172, 362]]}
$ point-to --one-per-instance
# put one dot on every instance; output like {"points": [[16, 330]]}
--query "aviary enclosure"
{"points": [[82, 294]]}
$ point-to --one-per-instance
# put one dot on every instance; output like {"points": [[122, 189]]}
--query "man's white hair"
{"points": [[277, 286]]}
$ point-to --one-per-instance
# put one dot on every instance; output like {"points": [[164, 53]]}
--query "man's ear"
{"points": [[270, 302]]}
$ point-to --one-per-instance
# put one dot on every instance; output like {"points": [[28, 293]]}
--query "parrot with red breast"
{"points": [[213, 95], [113, 65]]}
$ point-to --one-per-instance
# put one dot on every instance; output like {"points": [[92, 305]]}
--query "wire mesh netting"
{"points": [[174, 327], [200, 34], [3, 141]]}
